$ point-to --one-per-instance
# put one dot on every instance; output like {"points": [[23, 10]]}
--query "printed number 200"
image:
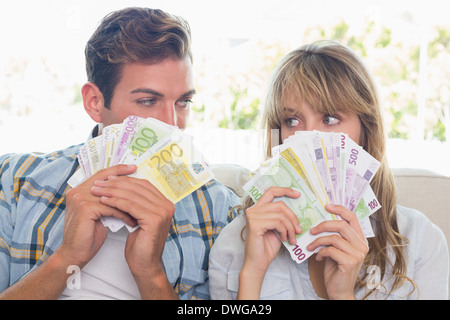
{"points": [[298, 252]]}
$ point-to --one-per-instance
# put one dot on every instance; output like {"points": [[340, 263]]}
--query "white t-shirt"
{"points": [[427, 261], [107, 275]]}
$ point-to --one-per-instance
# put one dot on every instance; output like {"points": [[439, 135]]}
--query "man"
{"points": [[138, 63]]}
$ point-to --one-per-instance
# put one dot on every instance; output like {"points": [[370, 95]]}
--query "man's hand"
{"points": [[84, 233], [153, 212]]}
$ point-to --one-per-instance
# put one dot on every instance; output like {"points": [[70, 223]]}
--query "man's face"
{"points": [[163, 91]]}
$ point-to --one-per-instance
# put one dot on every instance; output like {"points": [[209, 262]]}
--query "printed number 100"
{"points": [[298, 252], [255, 193]]}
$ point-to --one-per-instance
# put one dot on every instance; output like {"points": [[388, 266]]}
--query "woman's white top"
{"points": [[427, 261]]}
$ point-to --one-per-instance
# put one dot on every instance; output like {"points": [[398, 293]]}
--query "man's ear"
{"points": [[93, 101]]}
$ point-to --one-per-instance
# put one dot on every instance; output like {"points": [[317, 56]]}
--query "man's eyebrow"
{"points": [[189, 93], [158, 94], [148, 91]]}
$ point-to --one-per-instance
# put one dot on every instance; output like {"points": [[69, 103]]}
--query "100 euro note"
{"points": [[307, 208], [147, 138], [121, 143]]}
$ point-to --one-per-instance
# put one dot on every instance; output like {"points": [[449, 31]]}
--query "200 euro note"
{"points": [[299, 157], [307, 208], [332, 150], [163, 154], [176, 169], [297, 153], [320, 158]]}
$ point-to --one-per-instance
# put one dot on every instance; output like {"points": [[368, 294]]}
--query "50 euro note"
{"points": [[307, 208]]}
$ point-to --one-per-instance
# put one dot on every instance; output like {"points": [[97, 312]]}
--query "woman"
{"points": [[325, 86]]}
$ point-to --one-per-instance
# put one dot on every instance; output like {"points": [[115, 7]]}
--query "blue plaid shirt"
{"points": [[32, 204]]}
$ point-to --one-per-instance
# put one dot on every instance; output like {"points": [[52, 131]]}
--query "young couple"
{"points": [[139, 62]]}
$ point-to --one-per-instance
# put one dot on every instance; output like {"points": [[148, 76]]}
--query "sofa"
{"points": [[420, 189]]}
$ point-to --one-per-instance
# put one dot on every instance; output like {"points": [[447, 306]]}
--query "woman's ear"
{"points": [[93, 101]]}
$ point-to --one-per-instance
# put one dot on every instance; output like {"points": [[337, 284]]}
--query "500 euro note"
{"points": [[360, 167]]}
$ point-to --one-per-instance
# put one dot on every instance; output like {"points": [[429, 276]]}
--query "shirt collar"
{"points": [[96, 131]]}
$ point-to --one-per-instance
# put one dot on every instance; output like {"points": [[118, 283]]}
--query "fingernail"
{"points": [[99, 183]]}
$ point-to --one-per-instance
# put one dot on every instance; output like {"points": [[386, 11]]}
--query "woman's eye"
{"points": [[291, 122], [330, 120]]}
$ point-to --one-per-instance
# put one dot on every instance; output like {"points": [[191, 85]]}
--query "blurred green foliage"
{"points": [[393, 63]]}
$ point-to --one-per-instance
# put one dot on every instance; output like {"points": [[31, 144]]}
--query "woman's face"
{"points": [[304, 118]]}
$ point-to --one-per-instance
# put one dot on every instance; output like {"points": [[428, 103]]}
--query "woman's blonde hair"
{"points": [[331, 78]]}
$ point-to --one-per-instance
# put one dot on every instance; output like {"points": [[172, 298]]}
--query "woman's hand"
{"points": [[344, 254], [262, 244]]}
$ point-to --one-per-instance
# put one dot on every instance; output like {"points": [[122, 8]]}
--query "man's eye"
{"points": [[147, 102], [184, 103], [330, 120]]}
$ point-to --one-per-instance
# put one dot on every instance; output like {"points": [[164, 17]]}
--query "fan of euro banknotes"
{"points": [[327, 168], [164, 155]]}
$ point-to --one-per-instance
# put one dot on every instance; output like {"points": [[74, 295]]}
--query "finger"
{"points": [[346, 261], [134, 185], [277, 207], [94, 210], [259, 227], [356, 247], [282, 223], [344, 229], [108, 211], [348, 216], [137, 206], [118, 170], [274, 192]]}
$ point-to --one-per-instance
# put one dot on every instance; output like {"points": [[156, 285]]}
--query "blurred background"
{"points": [[236, 45]]}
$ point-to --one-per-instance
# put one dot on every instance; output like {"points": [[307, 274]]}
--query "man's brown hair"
{"points": [[133, 35]]}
